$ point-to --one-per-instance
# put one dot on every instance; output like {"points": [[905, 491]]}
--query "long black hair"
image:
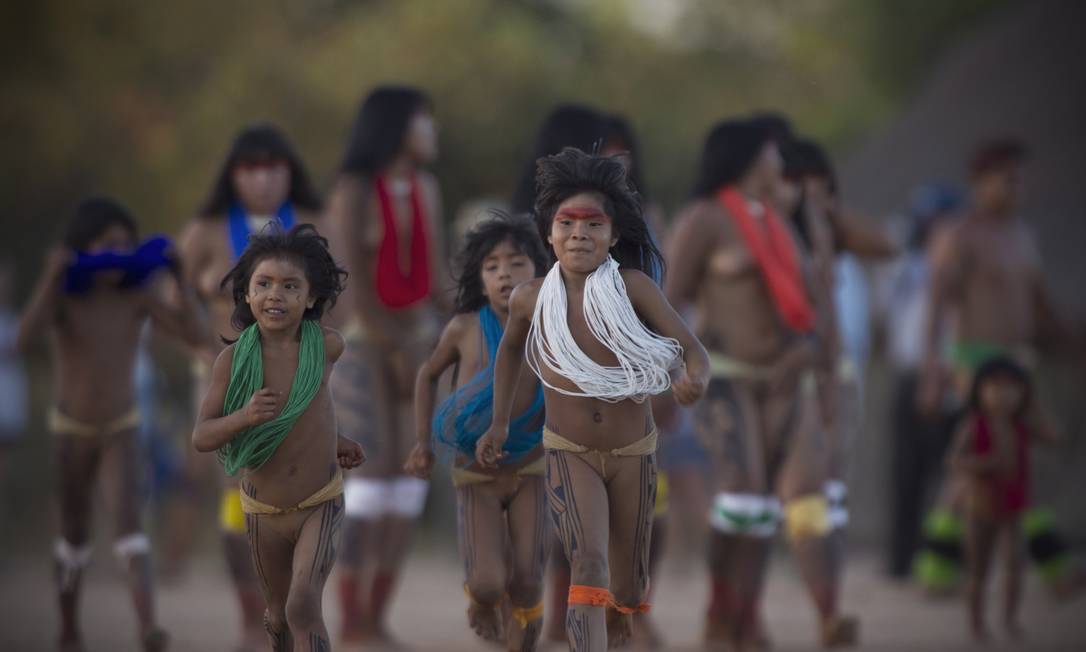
{"points": [[1000, 366], [572, 172], [380, 129], [258, 143], [521, 231], [91, 219], [730, 150], [620, 133], [301, 244], [567, 125], [805, 159]]}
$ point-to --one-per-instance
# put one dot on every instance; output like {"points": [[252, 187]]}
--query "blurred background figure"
{"points": [[13, 387]]}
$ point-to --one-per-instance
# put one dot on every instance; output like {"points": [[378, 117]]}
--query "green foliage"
{"points": [[141, 99]]}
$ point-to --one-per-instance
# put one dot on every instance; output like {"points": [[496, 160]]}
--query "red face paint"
{"points": [[574, 213]]}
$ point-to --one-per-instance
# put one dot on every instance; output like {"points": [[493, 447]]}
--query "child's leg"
{"points": [[272, 550], [980, 539], [529, 537], [631, 496], [578, 500], [1014, 557], [314, 556], [123, 480], [239, 561], [77, 462], [558, 569], [481, 526]]}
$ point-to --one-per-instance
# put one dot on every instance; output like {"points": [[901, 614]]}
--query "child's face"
{"points": [[504, 268], [1001, 394], [278, 294], [262, 186], [581, 233], [115, 238]]}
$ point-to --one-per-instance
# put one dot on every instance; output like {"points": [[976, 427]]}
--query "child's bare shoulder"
{"points": [[223, 361], [461, 324], [334, 344]]}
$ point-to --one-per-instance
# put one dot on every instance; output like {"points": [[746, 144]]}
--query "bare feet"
{"points": [[253, 640], [619, 629], [645, 634], [70, 643], [840, 631], [486, 621], [156, 640]]}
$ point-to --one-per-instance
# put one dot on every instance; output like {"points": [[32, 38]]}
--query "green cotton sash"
{"points": [[255, 446]]}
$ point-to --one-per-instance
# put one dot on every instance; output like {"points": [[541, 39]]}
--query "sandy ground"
{"points": [[429, 611]]}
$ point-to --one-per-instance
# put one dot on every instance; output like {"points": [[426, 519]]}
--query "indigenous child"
{"points": [[500, 510], [93, 298], [268, 410], [582, 332], [990, 456]]}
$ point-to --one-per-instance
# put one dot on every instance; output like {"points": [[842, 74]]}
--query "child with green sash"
{"points": [[268, 411]]}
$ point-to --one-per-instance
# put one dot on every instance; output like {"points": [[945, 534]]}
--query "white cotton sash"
{"points": [[644, 358]]}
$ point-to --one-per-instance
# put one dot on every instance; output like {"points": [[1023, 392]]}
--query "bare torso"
{"points": [[94, 344]]}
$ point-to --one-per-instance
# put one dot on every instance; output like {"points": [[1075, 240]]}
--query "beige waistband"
{"points": [[251, 505], [61, 424], [644, 446], [463, 477], [722, 366]]}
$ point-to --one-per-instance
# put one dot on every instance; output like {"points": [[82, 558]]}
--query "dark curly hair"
{"points": [[571, 172], [301, 244], [91, 219], [1001, 366], [480, 241]]}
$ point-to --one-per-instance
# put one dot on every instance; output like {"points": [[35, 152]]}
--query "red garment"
{"points": [[1010, 493], [395, 288], [777, 258]]}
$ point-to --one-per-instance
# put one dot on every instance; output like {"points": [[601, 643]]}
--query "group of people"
{"points": [[582, 337]]}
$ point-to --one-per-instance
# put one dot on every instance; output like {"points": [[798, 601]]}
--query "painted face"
{"points": [[1001, 394], [582, 233], [504, 268], [262, 186], [421, 138], [278, 294], [115, 238]]}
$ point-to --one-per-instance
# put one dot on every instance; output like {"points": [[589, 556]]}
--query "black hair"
{"points": [[805, 159], [620, 131], [301, 244], [480, 241], [778, 124], [380, 128], [730, 149], [91, 219], [1000, 366], [256, 143], [568, 125], [571, 172], [997, 154]]}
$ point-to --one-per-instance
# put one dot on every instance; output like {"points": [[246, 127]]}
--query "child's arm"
{"points": [[349, 453], [650, 303], [43, 304], [421, 460], [1040, 425], [960, 456], [507, 366], [213, 430], [184, 322]]}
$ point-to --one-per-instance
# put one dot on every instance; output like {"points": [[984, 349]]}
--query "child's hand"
{"points": [[262, 407], [488, 450], [349, 453], [57, 261], [420, 462], [688, 390]]}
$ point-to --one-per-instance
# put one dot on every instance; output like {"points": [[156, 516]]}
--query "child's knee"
{"points": [[590, 569], [303, 609]]}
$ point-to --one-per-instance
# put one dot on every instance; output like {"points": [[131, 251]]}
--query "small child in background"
{"points": [[990, 457]]}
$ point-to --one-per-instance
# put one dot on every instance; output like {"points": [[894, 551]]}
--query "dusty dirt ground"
{"points": [[428, 613]]}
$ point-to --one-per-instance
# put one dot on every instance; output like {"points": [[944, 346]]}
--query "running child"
{"points": [[268, 411], [585, 331], [94, 296], [990, 456], [504, 509]]}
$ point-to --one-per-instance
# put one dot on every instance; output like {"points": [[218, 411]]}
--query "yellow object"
{"points": [[525, 615], [464, 477], [231, 516], [807, 516], [334, 488], [60, 424], [722, 366], [659, 510], [644, 446]]}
